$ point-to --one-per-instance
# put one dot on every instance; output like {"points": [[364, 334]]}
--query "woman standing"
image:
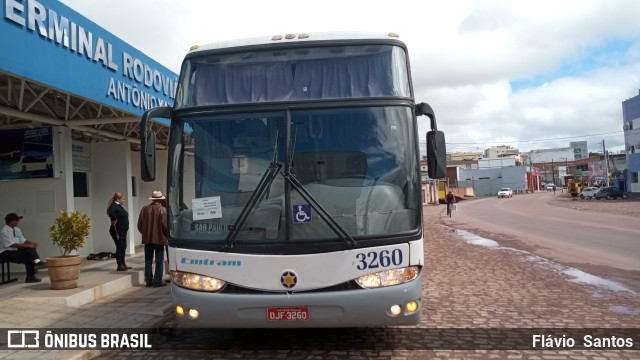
{"points": [[119, 227]]}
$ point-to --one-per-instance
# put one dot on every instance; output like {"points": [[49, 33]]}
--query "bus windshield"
{"points": [[310, 73], [358, 163]]}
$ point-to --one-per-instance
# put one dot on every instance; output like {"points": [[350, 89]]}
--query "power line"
{"points": [[529, 141]]}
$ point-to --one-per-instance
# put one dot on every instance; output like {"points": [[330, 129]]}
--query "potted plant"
{"points": [[69, 232]]}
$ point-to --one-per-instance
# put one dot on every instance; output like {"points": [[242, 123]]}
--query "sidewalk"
{"points": [[105, 298]]}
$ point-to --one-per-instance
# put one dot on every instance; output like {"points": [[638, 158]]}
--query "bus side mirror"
{"points": [[436, 155], [148, 143], [425, 109], [436, 147], [148, 157]]}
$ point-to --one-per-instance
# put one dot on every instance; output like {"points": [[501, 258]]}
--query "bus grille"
{"points": [[235, 289]]}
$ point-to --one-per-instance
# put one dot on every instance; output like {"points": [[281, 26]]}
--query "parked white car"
{"points": [[505, 192], [588, 192]]}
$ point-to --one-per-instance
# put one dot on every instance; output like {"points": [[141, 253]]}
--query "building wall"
{"points": [[40, 200], [631, 127], [631, 108], [487, 182], [464, 164], [113, 165], [111, 174], [496, 162]]}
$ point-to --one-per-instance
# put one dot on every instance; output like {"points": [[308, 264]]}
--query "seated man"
{"points": [[15, 248]]}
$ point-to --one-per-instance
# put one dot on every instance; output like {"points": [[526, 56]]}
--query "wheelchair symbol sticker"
{"points": [[301, 213]]}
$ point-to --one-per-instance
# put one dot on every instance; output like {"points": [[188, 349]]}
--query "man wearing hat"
{"points": [[15, 248], [152, 224]]}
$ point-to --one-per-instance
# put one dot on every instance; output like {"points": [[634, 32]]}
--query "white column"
{"points": [[111, 173]]}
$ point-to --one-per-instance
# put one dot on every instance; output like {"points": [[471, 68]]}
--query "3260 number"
{"points": [[382, 259]]}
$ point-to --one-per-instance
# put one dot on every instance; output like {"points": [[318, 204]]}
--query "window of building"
{"points": [[80, 185], [134, 187], [634, 177]]}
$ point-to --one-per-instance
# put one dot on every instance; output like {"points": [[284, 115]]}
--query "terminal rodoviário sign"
{"points": [[52, 44]]}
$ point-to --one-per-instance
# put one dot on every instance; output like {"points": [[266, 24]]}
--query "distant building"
{"points": [[500, 151], [487, 182], [550, 155], [580, 150], [552, 165], [465, 155]]}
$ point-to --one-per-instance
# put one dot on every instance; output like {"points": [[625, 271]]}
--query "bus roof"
{"points": [[282, 38]]}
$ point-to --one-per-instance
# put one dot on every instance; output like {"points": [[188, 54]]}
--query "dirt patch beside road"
{"points": [[628, 207]]}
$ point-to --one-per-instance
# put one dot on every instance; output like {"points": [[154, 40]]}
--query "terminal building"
{"points": [[71, 97]]}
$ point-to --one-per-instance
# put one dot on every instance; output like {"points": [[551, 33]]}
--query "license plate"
{"points": [[288, 313]]}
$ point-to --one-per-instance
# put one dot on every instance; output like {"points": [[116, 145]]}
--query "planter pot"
{"points": [[64, 271]]}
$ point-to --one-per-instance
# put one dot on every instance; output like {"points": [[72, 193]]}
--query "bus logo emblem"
{"points": [[301, 213], [289, 279]]}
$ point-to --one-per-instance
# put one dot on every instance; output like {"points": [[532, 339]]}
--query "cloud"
{"points": [[494, 70]]}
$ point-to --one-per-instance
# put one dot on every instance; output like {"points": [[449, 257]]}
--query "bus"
{"points": [[35, 157], [293, 183]]}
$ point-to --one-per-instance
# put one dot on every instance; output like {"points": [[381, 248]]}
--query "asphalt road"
{"points": [[530, 221]]}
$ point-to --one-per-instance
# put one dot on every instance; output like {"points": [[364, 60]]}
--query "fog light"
{"points": [[193, 313], [395, 310], [179, 310], [411, 307]]}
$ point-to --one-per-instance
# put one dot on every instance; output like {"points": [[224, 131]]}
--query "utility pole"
{"points": [[606, 163], [534, 177], [566, 173]]}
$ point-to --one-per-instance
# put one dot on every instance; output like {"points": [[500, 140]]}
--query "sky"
{"points": [[527, 74]]}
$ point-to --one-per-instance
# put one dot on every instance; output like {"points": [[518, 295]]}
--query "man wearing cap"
{"points": [[15, 248], [152, 224]]}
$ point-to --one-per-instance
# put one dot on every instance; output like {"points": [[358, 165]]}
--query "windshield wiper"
{"points": [[264, 186], [256, 196], [322, 212]]}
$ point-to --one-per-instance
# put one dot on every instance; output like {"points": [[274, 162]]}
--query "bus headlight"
{"points": [[389, 277], [196, 281]]}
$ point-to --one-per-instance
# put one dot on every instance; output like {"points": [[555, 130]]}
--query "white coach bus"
{"points": [[304, 207]]}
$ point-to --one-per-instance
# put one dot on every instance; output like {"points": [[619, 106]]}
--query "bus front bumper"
{"points": [[393, 305]]}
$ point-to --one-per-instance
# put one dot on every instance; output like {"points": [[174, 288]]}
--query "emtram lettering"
{"points": [[210, 262]]}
